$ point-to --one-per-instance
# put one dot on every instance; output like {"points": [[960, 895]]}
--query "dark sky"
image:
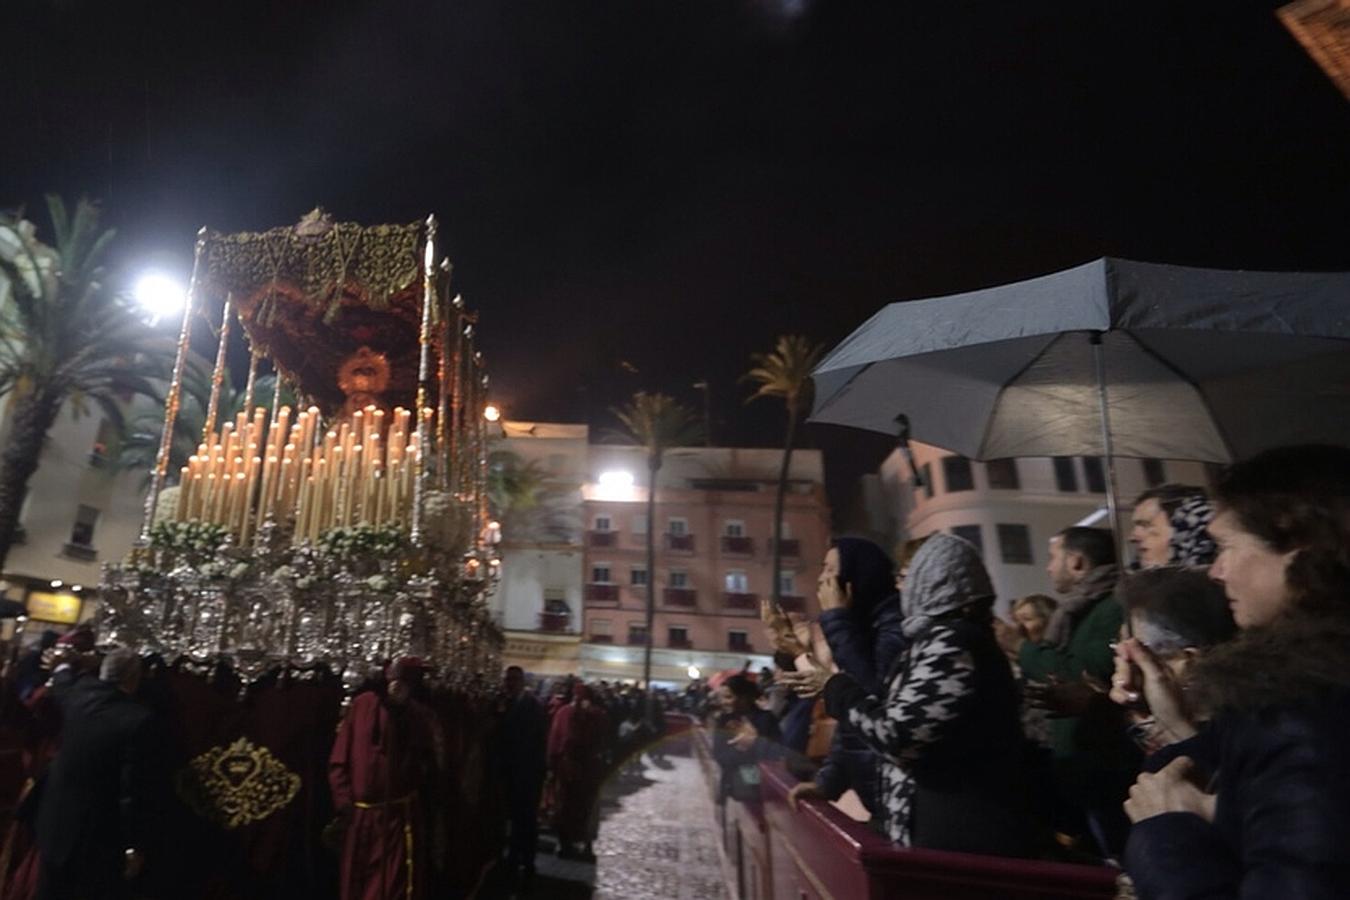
{"points": [[673, 184]]}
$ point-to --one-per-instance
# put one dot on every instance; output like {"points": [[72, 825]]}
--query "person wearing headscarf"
{"points": [[381, 767], [947, 723], [1170, 527], [860, 618]]}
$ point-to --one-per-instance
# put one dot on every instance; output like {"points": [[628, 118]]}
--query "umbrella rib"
{"points": [[1031, 361], [1204, 399]]}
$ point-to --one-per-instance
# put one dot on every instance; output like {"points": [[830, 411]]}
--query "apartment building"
{"points": [[1009, 508], [713, 534]]}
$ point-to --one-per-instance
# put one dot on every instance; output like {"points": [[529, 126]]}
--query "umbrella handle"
{"points": [[902, 441]]}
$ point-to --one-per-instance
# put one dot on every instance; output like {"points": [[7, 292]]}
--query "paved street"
{"points": [[658, 841]]}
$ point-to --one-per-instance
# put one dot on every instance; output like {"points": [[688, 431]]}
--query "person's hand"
{"points": [[1062, 699], [1171, 789], [744, 738], [1009, 636], [806, 790], [135, 862], [832, 595], [1161, 691], [809, 679], [781, 633]]}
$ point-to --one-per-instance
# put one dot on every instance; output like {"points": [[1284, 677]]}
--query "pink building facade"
{"points": [[714, 559]]}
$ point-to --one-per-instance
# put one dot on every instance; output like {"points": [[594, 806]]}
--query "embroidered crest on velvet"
{"points": [[236, 785]]}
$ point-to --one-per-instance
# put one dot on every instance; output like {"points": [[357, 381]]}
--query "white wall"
{"points": [[526, 573]]}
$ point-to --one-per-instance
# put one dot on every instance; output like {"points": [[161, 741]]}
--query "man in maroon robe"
{"points": [[576, 742], [380, 769]]}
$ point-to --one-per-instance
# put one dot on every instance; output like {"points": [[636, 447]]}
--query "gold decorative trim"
{"points": [[237, 785]]}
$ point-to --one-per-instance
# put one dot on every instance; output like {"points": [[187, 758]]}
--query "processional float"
{"points": [[351, 527]]}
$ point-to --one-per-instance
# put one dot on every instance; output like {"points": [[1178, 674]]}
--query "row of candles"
{"points": [[358, 472]]}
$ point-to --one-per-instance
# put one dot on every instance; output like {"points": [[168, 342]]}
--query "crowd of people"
{"points": [[1181, 716]]}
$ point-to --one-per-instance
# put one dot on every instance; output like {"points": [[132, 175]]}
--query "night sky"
{"points": [[670, 185]]}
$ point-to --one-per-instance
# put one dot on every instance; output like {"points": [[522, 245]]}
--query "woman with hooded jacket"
{"points": [[1255, 802], [946, 725], [860, 618]]}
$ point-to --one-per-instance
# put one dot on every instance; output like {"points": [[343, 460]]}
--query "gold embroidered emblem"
{"points": [[236, 785]]}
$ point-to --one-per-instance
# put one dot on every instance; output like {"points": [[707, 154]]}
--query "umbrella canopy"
{"points": [[1196, 364]]}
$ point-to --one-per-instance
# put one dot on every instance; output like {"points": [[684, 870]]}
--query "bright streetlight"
{"points": [[159, 295], [492, 413], [693, 673]]}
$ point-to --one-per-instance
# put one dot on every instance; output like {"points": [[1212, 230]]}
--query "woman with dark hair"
{"points": [[860, 618], [1257, 802], [743, 735], [953, 773]]}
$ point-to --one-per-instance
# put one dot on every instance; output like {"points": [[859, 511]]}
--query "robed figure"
{"points": [[380, 770], [576, 743]]}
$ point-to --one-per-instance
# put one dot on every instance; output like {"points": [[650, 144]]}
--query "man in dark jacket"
{"points": [[521, 757], [92, 823]]}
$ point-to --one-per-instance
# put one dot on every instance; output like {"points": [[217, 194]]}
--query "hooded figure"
{"points": [[865, 638], [946, 725]]}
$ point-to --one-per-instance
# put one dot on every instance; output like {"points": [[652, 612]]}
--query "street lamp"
{"points": [[492, 413], [693, 673], [159, 295]]}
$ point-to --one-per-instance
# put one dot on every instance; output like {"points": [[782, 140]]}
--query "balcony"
{"points": [[601, 639], [738, 643], [554, 622], [791, 547], [680, 543], [602, 538], [740, 601], [680, 644], [792, 604], [637, 640], [597, 592], [685, 598], [737, 545], [82, 552]]}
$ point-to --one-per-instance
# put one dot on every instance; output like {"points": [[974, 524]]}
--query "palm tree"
{"points": [[657, 423], [139, 445], [65, 336], [784, 372], [513, 486]]}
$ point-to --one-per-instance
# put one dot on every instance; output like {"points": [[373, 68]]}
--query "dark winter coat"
{"points": [[1277, 753], [865, 650], [740, 768]]}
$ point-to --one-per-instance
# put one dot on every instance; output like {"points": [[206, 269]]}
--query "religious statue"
{"points": [[363, 377]]}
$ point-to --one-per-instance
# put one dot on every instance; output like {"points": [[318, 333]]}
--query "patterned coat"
{"points": [[947, 728]]}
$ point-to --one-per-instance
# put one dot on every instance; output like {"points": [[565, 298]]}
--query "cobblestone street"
{"points": [[658, 841]]}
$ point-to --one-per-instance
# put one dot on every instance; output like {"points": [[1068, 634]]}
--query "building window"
{"points": [[957, 474], [679, 578], [637, 634], [1154, 473], [787, 530], [927, 471], [737, 582], [1014, 544], [1096, 475], [1066, 476], [637, 576], [735, 528], [600, 573], [603, 629], [677, 527], [972, 534], [739, 642], [603, 523], [638, 525], [787, 584], [1002, 474], [82, 532], [677, 636]]}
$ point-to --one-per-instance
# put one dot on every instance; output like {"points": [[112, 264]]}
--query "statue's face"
{"points": [[364, 372]]}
